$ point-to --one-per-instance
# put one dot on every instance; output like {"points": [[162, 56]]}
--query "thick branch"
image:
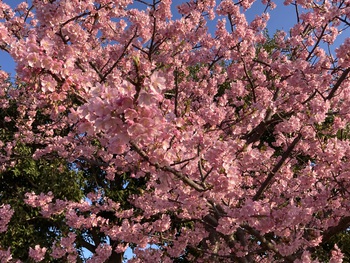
{"points": [[337, 85], [317, 42], [284, 157], [87, 245], [120, 57], [255, 134], [343, 224], [176, 93], [96, 70], [115, 257]]}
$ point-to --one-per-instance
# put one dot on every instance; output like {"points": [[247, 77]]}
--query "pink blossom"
{"points": [[5, 216], [231, 144], [337, 255], [38, 253], [5, 255]]}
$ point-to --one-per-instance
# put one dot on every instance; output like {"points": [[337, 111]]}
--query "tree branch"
{"points": [[266, 243], [337, 85], [285, 155], [184, 178], [343, 224], [86, 245], [120, 57]]}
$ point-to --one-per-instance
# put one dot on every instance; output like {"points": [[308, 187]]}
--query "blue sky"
{"points": [[281, 18], [6, 62]]}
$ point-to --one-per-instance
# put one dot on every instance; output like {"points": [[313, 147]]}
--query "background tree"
{"points": [[49, 174], [179, 144]]}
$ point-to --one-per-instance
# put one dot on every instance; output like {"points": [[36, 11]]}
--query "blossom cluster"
{"points": [[225, 145]]}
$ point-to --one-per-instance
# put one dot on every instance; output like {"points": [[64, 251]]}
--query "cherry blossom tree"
{"points": [[182, 144]]}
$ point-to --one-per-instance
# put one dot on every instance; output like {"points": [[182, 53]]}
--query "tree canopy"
{"points": [[129, 127]]}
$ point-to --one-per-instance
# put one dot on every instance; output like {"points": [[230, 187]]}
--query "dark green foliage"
{"points": [[323, 252], [28, 227], [22, 174]]}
